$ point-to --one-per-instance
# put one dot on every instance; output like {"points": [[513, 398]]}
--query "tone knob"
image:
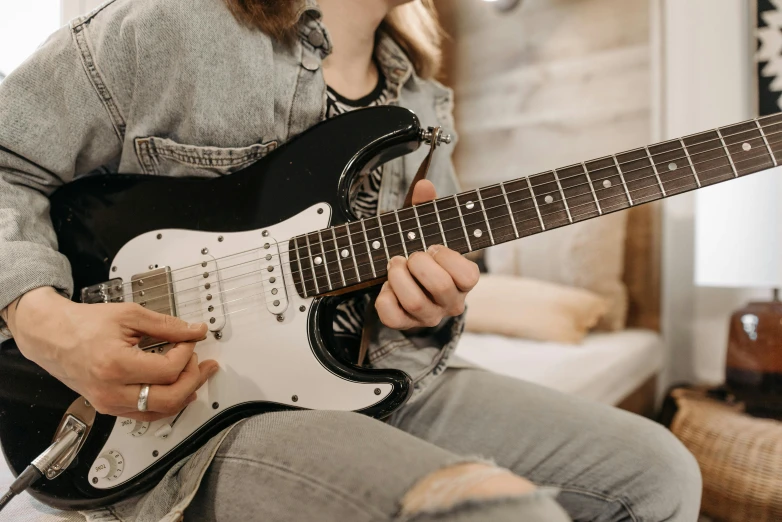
{"points": [[133, 427], [108, 466]]}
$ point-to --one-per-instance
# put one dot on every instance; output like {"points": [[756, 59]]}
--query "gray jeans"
{"points": [[601, 463]]}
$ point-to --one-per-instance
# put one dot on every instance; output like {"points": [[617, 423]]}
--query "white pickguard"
{"points": [[261, 358]]}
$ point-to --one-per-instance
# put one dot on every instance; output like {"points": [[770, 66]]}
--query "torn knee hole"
{"points": [[447, 487]]}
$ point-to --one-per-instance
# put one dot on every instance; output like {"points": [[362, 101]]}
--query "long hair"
{"points": [[413, 26]]}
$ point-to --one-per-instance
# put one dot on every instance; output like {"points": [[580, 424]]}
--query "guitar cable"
{"points": [[38, 467]]}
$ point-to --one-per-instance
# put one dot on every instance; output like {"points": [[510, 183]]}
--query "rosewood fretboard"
{"points": [[337, 258]]}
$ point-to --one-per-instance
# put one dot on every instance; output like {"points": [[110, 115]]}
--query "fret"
{"points": [[497, 212], [485, 217], [624, 183], [765, 140], [420, 230], [440, 223], [608, 184], [535, 202], [410, 231], [592, 188], [562, 193], [347, 253], [322, 255], [297, 268], [746, 148], [735, 172], [312, 264], [579, 197], [338, 255], [639, 176], [464, 228], [510, 211], [401, 234], [772, 127], [708, 157], [451, 222], [548, 198], [476, 226], [394, 243], [377, 255], [689, 160], [675, 174], [331, 260], [431, 233], [654, 167]]}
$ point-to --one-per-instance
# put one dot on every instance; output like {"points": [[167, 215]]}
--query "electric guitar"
{"points": [[264, 255]]}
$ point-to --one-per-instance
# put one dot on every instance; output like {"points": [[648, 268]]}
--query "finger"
{"points": [[148, 416], [436, 280], [171, 399], [464, 272], [410, 296], [153, 368], [390, 311], [424, 191], [165, 327]]}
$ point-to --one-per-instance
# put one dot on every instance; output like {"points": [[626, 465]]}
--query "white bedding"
{"points": [[605, 368]]}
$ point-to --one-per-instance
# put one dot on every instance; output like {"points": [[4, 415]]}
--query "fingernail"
{"points": [[434, 249], [195, 326], [214, 370]]}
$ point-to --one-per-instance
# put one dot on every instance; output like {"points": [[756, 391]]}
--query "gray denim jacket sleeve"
{"points": [[52, 125]]}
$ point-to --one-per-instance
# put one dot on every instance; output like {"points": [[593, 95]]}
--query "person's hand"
{"points": [[429, 286], [92, 349]]}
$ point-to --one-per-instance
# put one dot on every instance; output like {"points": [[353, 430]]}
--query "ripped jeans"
{"points": [[590, 462]]}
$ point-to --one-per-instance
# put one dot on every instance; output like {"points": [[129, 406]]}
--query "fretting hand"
{"points": [[429, 286], [92, 349]]}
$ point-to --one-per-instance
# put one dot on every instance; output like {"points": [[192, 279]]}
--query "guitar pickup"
{"points": [[272, 277], [154, 290]]}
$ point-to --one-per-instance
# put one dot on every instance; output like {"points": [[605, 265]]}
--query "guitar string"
{"points": [[337, 273], [586, 174], [324, 253], [261, 293]]}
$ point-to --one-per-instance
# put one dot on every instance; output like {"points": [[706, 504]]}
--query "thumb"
{"points": [[167, 327], [424, 191]]}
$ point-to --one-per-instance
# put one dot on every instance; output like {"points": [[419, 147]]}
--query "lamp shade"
{"points": [[738, 232]]}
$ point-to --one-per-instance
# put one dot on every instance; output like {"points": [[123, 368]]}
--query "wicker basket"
{"points": [[740, 458]]}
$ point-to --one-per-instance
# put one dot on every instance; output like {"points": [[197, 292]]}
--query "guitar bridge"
{"points": [[154, 290]]}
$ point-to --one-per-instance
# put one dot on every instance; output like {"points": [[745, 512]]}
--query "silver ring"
{"points": [[143, 397]]}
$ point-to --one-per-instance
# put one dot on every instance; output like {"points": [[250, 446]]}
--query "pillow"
{"points": [[532, 309], [588, 255]]}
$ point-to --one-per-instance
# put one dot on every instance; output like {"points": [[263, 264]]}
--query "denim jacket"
{"points": [[180, 88]]}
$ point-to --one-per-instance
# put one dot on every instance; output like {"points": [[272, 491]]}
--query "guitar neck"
{"points": [[356, 254]]}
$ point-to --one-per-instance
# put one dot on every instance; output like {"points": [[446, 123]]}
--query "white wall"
{"points": [[704, 82], [73, 8], [23, 27]]}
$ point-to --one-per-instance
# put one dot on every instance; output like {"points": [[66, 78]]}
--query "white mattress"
{"points": [[606, 367]]}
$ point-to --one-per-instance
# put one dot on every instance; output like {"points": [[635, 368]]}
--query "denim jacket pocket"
{"points": [[167, 157]]}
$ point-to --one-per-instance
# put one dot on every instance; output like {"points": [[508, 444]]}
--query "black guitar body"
{"points": [[95, 216]]}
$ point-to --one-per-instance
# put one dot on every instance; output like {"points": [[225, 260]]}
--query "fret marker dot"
{"points": [[375, 244], [470, 205], [607, 184], [477, 232], [672, 166], [318, 260], [746, 146], [345, 253], [411, 235], [549, 199]]}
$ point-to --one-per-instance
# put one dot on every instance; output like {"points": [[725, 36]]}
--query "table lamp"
{"points": [[738, 244]]}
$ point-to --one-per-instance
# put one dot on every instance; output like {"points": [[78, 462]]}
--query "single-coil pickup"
{"points": [[211, 293], [272, 277]]}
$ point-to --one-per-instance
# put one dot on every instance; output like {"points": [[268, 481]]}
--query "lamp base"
{"points": [[754, 362]]}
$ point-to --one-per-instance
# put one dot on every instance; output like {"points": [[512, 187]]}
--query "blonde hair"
{"points": [[413, 26]]}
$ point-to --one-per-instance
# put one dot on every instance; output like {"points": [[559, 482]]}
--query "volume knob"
{"points": [[108, 466]]}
